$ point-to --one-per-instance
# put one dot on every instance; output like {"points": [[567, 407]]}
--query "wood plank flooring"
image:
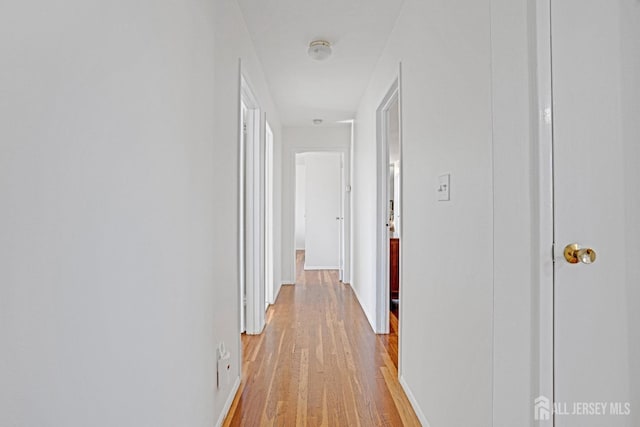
{"points": [[318, 363]]}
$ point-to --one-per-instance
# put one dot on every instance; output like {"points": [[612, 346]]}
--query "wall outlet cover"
{"points": [[224, 366]]}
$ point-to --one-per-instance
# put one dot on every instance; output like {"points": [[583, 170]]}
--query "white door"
{"points": [[596, 138], [323, 211]]}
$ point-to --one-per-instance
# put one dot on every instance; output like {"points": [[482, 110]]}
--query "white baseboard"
{"points": [[414, 403], [228, 403], [321, 267], [276, 293]]}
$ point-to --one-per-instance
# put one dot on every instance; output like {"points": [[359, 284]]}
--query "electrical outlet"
{"points": [[224, 366]]}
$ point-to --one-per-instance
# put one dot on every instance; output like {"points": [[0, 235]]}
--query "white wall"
{"points": [[108, 290], [515, 349], [465, 107], [118, 149], [301, 203], [303, 139], [322, 198]]}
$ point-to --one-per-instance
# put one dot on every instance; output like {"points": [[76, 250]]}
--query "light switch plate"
{"points": [[444, 187]]}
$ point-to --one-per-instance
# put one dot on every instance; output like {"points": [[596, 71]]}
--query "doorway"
{"points": [[395, 217], [389, 212], [252, 213], [319, 211]]}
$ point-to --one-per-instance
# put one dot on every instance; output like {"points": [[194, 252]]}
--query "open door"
{"points": [[596, 139]]}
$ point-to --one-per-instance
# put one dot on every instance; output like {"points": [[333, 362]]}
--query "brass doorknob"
{"points": [[574, 254]]}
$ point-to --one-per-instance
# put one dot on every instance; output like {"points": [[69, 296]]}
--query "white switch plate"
{"points": [[444, 187]]}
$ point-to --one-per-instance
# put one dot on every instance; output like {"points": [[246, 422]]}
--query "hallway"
{"points": [[318, 363]]}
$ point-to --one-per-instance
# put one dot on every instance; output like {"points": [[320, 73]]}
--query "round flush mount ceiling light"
{"points": [[317, 121], [319, 50]]}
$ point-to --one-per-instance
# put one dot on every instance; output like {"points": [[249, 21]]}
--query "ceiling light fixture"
{"points": [[319, 50]]}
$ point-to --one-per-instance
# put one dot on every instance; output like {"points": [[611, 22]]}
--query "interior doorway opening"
{"points": [[389, 218], [395, 217], [319, 211], [252, 235]]}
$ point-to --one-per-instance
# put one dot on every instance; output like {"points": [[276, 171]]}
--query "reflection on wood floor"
{"points": [[318, 363]]}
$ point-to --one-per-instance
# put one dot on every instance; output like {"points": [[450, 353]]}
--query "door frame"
{"points": [[252, 214], [341, 192], [393, 94], [543, 196], [269, 220], [345, 196]]}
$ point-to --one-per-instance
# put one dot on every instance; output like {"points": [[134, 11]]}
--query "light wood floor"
{"points": [[318, 363]]}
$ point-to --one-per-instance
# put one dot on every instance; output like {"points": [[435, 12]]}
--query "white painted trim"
{"points": [[240, 225], [400, 256], [414, 403], [543, 195], [268, 215], [321, 267], [348, 230], [254, 213], [228, 403], [289, 156], [382, 197], [342, 237]]}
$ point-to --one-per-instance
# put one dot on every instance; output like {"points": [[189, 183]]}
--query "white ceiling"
{"points": [[304, 89]]}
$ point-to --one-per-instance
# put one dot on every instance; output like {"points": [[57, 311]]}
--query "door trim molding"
{"points": [[269, 215], [543, 202], [382, 197], [252, 218], [289, 157]]}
